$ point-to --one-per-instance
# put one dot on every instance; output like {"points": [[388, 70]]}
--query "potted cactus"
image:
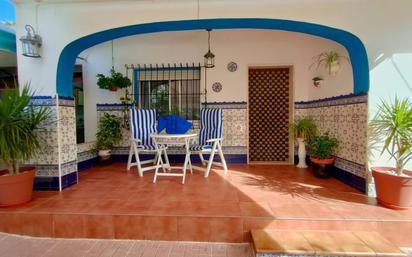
{"points": [[392, 125], [19, 121]]}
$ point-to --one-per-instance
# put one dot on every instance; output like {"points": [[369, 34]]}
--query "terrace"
{"points": [[266, 72]]}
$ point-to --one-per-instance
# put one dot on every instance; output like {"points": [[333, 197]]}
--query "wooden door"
{"points": [[269, 113]]}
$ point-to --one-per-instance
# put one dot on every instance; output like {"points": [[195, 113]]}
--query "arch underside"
{"points": [[354, 46]]}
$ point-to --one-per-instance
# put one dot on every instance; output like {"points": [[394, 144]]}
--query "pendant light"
{"points": [[31, 43], [209, 56]]}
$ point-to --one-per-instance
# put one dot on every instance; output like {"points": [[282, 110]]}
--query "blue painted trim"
{"points": [[110, 105], [354, 46], [136, 86], [7, 39], [330, 98], [42, 97], [222, 103]]}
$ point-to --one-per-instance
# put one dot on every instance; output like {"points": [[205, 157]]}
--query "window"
{"points": [[79, 102], [170, 90]]}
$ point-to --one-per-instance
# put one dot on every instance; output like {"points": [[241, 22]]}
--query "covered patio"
{"points": [[113, 203]]}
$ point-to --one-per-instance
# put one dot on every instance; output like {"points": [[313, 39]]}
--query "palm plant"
{"points": [[392, 125], [19, 120], [303, 127]]}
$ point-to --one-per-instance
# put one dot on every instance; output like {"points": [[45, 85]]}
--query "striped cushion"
{"points": [[210, 125], [142, 125], [200, 148]]}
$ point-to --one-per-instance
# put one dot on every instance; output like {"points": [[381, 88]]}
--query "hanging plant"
{"points": [[331, 61], [114, 81]]}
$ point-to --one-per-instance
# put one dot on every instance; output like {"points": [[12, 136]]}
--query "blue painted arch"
{"points": [[354, 46]]}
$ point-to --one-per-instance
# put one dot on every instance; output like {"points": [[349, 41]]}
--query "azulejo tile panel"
{"points": [[345, 118], [67, 131]]}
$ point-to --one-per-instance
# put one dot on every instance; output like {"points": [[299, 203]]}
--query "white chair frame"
{"points": [[216, 148], [157, 161]]}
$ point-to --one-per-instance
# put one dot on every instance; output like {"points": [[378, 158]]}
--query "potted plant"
{"points": [[108, 134], [114, 81], [303, 128], [392, 125], [320, 154], [317, 81], [331, 61], [19, 121]]}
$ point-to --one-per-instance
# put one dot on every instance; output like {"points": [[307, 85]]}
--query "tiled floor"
{"points": [[110, 202], [19, 246]]}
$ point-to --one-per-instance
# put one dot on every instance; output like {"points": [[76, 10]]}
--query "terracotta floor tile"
{"points": [[161, 228], [226, 230], [129, 227], [282, 242], [99, 226], [193, 229], [378, 244], [34, 224], [69, 225], [261, 196], [255, 209]]}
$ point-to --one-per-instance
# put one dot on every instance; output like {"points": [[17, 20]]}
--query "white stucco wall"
{"points": [[385, 27], [247, 48]]}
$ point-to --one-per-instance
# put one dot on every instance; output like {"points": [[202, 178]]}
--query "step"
{"points": [[282, 243]]}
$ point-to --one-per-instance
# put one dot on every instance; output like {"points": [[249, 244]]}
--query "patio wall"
{"points": [[247, 48]]}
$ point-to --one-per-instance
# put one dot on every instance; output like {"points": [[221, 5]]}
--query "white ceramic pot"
{"points": [[301, 154], [104, 153], [334, 68]]}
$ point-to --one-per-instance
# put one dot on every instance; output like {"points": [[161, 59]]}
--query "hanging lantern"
{"points": [[209, 56], [31, 43]]}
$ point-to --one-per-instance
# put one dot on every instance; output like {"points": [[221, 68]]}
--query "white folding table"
{"points": [[174, 139]]}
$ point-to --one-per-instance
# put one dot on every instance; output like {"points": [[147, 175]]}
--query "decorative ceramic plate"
{"points": [[217, 87], [232, 66]]}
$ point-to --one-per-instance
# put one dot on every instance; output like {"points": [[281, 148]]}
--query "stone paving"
{"points": [[23, 246]]}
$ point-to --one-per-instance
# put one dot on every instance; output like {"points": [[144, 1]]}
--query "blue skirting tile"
{"points": [[52, 183]]}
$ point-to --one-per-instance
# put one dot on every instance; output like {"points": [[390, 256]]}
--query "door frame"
{"points": [[291, 110]]}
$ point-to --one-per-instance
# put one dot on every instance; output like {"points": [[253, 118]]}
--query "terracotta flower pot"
{"points": [[17, 189], [113, 88], [393, 191], [324, 161], [322, 168]]}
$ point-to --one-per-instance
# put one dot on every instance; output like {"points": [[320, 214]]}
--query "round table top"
{"points": [[167, 136]]}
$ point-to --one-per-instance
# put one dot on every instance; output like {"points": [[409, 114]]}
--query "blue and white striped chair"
{"points": [[142, 125], [210, 139]]}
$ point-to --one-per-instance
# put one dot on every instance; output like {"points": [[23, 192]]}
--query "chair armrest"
{"points": [[214, 140]]}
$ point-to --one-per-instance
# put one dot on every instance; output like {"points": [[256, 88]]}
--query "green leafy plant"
{"points": [[108, 132], [322, 146], [303, 127], [113, 81], [328, 59], [19, 121], [392, 125]]}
